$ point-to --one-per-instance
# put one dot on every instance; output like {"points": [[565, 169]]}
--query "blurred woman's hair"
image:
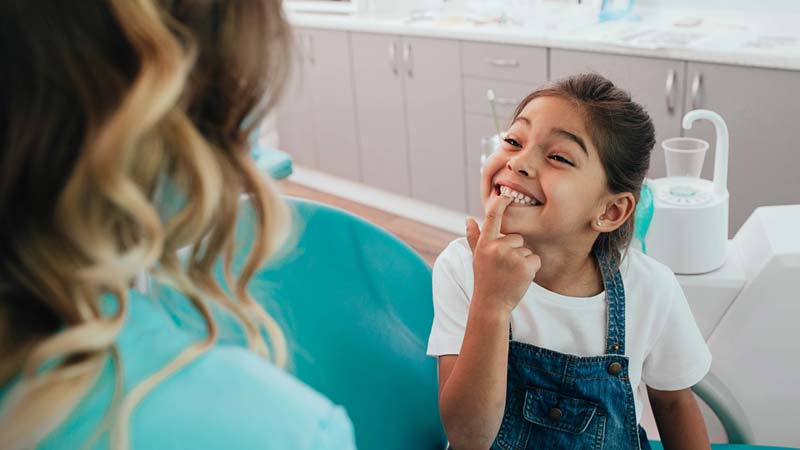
{"points": [[103, 103]]}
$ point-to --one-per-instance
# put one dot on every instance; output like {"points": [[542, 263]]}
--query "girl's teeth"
{"points": [[518, 196]]}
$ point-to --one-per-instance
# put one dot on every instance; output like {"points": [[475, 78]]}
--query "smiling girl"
{"points": [[548, 329]]}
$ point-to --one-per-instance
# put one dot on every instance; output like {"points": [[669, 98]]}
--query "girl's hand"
{"points": [[503, 267]]}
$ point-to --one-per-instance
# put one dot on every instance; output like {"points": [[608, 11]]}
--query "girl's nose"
{"points": [[521, 166]]}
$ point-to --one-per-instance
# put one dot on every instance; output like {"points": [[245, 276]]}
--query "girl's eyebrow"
{"points": [[559, 132]]}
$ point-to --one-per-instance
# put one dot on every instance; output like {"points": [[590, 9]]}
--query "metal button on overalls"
{"points": [[556, 414], [614, 368]]}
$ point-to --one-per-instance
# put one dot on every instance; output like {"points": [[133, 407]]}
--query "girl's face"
{"points": [[548, 158]]}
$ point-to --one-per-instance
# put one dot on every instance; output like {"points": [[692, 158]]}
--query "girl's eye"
{"points": [[512, 142], [562, 159]]}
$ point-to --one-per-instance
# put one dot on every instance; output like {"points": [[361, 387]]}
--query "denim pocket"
{"points": [[541, 419], [561, 412]]}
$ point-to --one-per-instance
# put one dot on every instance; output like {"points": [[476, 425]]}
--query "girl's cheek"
{"points": [[489, 170]]}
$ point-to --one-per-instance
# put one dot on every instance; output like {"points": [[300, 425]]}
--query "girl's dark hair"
{"points": [[622, 132]]}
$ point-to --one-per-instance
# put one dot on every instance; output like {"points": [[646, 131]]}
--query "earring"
{"points": [[599, 223]]}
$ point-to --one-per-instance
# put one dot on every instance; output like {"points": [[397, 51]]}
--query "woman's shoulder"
{"points": [[228, 397], [231, 398]]}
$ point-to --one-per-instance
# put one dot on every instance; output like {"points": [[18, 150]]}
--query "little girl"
{"points": [[546, 323]]}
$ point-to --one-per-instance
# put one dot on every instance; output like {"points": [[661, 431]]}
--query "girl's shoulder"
{"points": [[646, 278], [457, 256]]}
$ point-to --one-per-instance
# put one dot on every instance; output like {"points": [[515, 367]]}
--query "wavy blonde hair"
{"points": [[106, 100]]}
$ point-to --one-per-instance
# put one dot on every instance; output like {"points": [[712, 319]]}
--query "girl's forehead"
{"points": [[554, 110]]}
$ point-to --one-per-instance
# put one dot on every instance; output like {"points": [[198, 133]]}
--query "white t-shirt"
{"points": [[662, 341]]}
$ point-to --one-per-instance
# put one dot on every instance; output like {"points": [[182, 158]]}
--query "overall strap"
{"points": [[615, 293]]}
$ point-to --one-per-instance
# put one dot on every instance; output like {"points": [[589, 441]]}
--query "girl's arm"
{"points": [[679, 420], [472, 385]]}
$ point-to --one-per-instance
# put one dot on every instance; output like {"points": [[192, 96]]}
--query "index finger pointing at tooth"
{"points": [[494, 216]]}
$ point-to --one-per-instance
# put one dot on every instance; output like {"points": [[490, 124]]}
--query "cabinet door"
{"points": [[380, 110], [333, 103], [294, 118], [761, 108], [434, 113], [657, 84]]}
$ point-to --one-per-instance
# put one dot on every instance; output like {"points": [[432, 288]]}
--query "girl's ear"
{"points": [[617, 211]]}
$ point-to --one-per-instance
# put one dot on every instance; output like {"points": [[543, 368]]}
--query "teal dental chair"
{"points": [[355, 303]]}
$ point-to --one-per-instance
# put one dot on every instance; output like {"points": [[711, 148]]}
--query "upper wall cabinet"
{"points": [[658, 84]]}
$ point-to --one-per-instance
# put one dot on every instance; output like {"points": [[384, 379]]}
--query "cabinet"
{"points": [[657, 84], [407, 114], [409, 106], [761, 108], [294, 119], [434, 115], [316, 118], [380, 106]]}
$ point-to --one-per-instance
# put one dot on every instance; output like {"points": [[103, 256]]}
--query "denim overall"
{"points": [[557, 401]]}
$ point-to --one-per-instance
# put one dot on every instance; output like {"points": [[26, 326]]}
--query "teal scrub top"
{"points": [[228, 398]]}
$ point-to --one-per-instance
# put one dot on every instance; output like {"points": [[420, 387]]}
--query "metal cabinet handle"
{"points": [[393, 57], [696, 83], [500, 62], [670, 91], [407, 59], [310, 44]]}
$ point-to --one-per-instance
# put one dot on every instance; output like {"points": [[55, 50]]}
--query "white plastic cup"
{"points": [[684, 156]]}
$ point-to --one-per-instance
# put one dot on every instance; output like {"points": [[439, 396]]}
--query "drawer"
{"points": [[505, 62], [507, 96]]}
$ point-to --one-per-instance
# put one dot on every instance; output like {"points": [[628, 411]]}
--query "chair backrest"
{"points": [[355, 303]]}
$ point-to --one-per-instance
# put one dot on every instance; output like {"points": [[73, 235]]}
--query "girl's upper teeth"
{"points": [[518, 197]]}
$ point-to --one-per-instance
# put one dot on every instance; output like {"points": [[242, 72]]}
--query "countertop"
{"points": [[756, 39]]}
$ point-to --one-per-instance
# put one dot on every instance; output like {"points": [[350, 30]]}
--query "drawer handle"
{"points": [[393, 57], [670, 94], [499, 62], [408, 59], [696, 83], [311, 58]]}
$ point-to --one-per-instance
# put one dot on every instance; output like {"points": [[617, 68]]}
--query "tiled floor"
{"points": [[426, 240]]}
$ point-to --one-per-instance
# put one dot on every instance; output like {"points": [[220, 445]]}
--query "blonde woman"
{"points": [[123, 138]]}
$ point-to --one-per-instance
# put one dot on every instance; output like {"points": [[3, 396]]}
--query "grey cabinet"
{"points": [[761, 108], [316, 119], [434, 115], [409, 103], [380, 106], [657, 84], [294, 113]]}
